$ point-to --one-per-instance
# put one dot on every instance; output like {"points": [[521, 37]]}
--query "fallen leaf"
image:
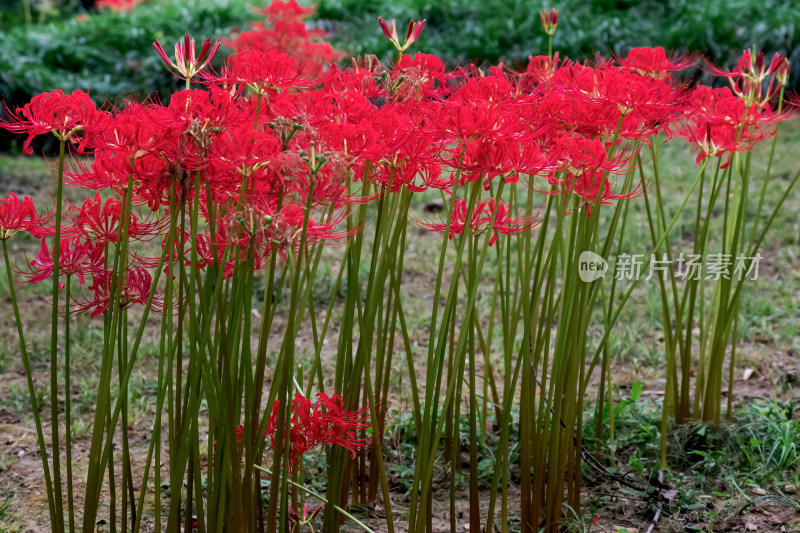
{"points": [[758, 491], [669, 495], [751, 527], [748, 372]]}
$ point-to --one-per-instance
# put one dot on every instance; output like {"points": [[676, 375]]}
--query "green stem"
{"points": [[634, 283], [26, 363], [318, 496], [68, 409], [56, 442]]}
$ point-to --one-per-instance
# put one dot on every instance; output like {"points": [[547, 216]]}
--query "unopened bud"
{"points": [[549, 20]]}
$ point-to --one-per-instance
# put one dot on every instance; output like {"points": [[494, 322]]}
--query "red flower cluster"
{"points": [[327, 422], [269, 147], [723, 121], [492, 214], [118, 5], [65, 115], [20, 216], [287, 33]]}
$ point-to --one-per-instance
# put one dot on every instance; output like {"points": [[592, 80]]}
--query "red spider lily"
{"points": [[327, 422], [540, 68], [721, 123], [646, 104], [575, 154], [489, 158], [654, 62], [337, 426], [782, 73], [134, 132], [793, 99], [549, 20], [285, 10], [16, 215], [244, 151], [119, 6], [594, 187], [481, 220], [306, 519], [470, 121], [62, 114], [136, 284], [750, 66], [265, 72], [76, 258], [719, 139], [187, 64], [412, 34], [98, 222], [289, 35], [420, 76], [747, 79], [362, 77], [196, 114], [283, 231]]}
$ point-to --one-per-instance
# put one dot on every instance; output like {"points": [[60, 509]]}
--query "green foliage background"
{"points": [[509, 30]]}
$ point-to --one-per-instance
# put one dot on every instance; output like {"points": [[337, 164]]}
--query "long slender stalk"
{"points": [[58, 524], [68, 407], [32, 395]]}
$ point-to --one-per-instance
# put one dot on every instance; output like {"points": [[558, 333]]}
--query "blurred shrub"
{"points": [[509, 30], [109, 53]]}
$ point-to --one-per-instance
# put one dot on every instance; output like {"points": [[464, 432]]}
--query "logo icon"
{"points": [[591, 266]]}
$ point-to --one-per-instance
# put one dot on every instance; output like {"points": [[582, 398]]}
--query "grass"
{"points": [[756, 453], [8, 524]]}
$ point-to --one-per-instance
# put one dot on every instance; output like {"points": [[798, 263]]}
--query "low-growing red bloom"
{"points": [[98, 221], [16, 215], [595, 187], [489, 215], [307, 517], [76, 258], [135, 289], [326, 422]]}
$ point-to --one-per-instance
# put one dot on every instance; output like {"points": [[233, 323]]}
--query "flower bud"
{"points": [[549, 20], [412, 33]]}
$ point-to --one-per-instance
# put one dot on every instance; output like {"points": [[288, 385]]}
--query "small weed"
{"points": [[7, 521]]}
